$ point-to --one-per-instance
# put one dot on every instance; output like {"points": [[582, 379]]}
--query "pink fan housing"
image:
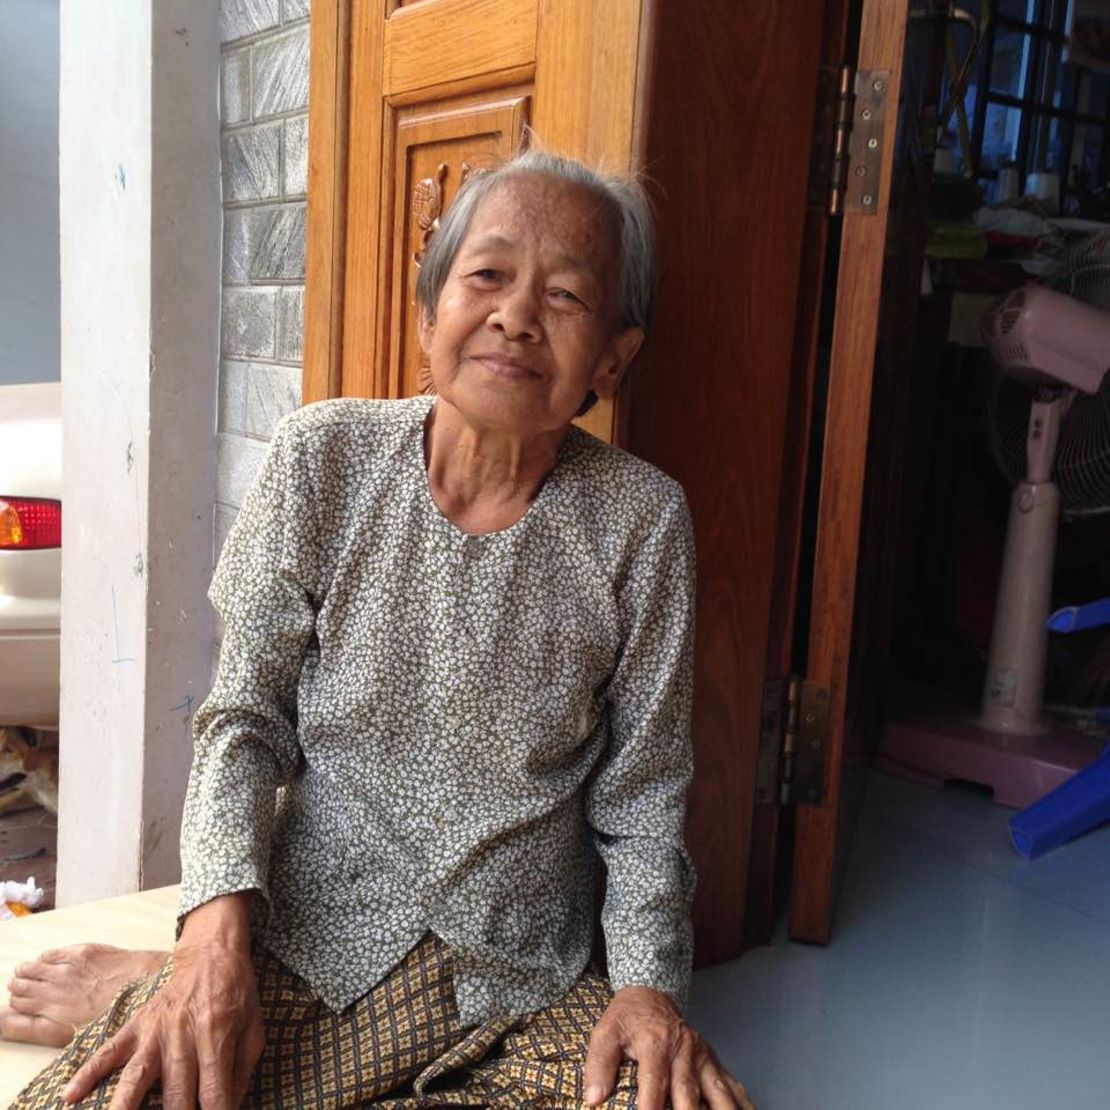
{"points": [[1047, 339]]}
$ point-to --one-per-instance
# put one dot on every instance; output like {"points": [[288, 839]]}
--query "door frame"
{"points": [[818, 840], [325, 248]]}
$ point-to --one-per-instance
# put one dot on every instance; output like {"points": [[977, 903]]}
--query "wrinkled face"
{"points": [[527, 321]]}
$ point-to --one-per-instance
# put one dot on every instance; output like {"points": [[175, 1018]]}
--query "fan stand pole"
{"points": [[1010, 746], [1013, 691]]}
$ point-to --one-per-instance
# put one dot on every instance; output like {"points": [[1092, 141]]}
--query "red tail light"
{"points": [[29, 522]]}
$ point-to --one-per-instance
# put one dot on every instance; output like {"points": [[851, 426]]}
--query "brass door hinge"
{"points": [[848, 139], [793, 738]]}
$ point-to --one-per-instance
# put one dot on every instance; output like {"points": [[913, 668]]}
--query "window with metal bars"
{"points": [[1029, 105]]}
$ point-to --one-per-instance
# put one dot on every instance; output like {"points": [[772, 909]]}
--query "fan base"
{"points": [[938, 745]]}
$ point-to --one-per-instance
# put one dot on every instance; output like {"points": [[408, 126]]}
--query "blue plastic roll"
{"points": [[1076, 618], [1075, 806]]}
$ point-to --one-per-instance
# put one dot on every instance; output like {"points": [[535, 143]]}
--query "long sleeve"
{"points": [[414, 729], [245, 732], [637, 799]]}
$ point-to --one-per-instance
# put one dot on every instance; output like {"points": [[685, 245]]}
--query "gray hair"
{"points": [[624, 197]]}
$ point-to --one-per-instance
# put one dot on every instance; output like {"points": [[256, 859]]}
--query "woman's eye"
{"points": [[486, 274], [565, 295]]}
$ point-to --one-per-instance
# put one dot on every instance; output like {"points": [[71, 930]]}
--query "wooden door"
{"points": [[878, 277], [711, 400], [419, 94]]}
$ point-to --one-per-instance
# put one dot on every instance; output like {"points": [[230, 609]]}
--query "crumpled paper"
{"points": [[19, 899]]}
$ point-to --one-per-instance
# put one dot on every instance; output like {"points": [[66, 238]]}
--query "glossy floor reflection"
{"points": [[959, 976]]}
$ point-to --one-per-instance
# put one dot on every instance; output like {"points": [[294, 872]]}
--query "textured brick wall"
{"points": [[264, 132]]}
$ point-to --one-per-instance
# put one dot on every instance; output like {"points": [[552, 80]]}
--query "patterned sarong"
{"points": [[400, 1047]]}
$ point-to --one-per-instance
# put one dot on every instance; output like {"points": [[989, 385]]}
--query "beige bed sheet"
{"points": [[142, 920]]}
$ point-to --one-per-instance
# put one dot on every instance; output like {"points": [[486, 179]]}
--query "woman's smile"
{"points": [[505, 366]]}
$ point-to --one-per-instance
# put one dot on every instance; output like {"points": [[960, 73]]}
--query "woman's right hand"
{"points": [[201, 1033]]}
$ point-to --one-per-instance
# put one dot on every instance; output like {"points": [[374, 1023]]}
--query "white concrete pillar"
{"points": [[140, 250]]}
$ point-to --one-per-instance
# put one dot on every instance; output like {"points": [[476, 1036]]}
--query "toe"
{"points": [[25, 1004], [33, 1030], [20, 986], [35, 993], [30, 985], [39, 1000], [40, 971]]}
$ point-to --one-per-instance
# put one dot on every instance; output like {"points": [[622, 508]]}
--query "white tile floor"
{"points": [[960, 976]]}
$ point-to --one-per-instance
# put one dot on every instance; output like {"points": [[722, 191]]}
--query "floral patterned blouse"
{"points": [[413, 728]]}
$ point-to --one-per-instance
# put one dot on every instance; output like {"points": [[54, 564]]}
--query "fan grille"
{"points": [[1082, 470], [1084, 272]]}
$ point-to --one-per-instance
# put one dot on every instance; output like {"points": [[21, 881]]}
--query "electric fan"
{"points": [[1049, 429]]}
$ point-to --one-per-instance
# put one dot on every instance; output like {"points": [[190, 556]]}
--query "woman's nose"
{"points": [[516, 315]]}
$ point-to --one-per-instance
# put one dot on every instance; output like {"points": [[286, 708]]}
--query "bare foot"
{"points": [[53, 996]]}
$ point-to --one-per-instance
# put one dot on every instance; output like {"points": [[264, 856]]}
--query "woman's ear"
{"points": [[614, 362], [426, 328]]}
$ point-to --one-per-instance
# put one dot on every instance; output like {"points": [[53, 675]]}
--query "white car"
{"points": [[30, 552]]}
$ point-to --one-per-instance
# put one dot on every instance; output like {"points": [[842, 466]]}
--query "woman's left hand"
{"points": [[674, 1064]]}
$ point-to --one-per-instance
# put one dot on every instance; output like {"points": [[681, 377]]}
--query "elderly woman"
{"points": [[456, 668]]}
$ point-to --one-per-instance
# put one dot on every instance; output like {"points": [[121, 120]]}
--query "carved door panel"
{"points": [[437, 89], [437, 86], [435, 149]]}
